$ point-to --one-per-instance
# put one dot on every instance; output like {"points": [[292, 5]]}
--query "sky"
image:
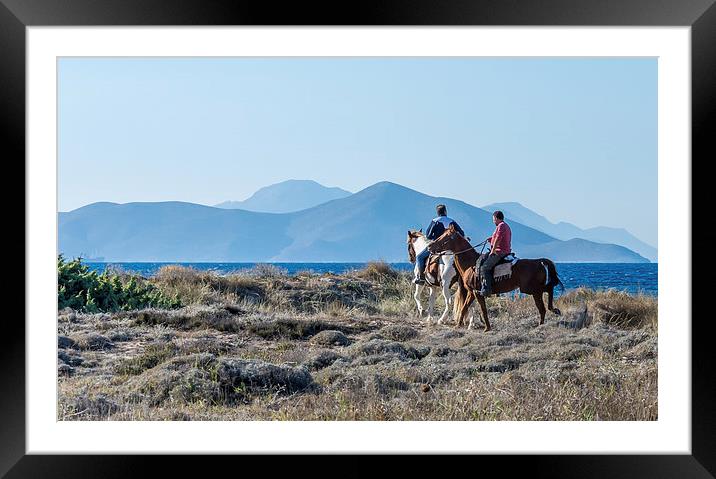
{"points": [[574, 139]]}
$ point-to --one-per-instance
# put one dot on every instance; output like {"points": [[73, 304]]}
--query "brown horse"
{"points": [[531, 276]]}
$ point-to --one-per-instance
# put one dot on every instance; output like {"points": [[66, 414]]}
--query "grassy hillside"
{"points": [[263, 345]]}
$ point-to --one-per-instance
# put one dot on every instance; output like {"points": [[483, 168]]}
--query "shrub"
{"points": [[377, 270], [81, 289], [193, 286], [617, 308], [266, 270]]}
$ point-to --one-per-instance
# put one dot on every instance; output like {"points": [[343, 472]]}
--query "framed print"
{"points": [[259, 231]]}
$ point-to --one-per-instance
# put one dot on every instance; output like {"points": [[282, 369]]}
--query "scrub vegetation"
{"points": [[264, 345]]}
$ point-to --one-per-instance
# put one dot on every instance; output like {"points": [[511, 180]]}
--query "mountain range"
{"points": [[566, 231], [368, 225], [286, 197]]}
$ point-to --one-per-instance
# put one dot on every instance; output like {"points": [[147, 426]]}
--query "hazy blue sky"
{"points": [[573, 139]]}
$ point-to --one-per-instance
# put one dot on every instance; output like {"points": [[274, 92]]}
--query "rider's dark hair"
{"points": [[442, 210], [498, 214]]}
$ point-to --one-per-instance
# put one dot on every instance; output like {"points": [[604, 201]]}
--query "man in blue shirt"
{"points": [[437, 227]]}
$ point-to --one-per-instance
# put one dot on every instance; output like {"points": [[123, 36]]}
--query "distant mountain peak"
{"points": [[295, 182], [287, 196], [389, 186], [386, 184], [508, 203]]}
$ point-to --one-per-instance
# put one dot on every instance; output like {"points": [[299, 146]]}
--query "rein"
{"points": [[463, 251]]}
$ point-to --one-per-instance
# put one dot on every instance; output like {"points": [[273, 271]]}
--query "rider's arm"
{"points": [[459, 230], [496, 237]]}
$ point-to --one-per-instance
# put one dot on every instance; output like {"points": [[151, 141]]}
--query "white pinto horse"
{"points": [[437, 278]]}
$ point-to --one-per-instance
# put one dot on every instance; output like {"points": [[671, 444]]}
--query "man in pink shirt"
{"points": [[500, 246]]}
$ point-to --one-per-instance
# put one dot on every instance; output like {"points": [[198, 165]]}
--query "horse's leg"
{"points": [[448, 276], [446, 296], [416, 296], [472, 313], [463, 311], [540, 306], [469, 298], [431, 303], [483, 309], [550, 295], [471, 310], [447, 292]]}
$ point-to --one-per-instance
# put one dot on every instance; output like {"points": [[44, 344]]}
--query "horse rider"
{"points": [[500, 246], [437, 227]]}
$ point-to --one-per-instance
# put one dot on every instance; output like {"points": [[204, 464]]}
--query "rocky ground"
{"points": [[350, 347]]}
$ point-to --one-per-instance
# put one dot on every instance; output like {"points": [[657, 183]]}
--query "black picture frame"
{"points": [[700, 15]]}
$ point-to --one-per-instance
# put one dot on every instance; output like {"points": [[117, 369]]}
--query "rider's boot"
{"points": [[486, 284], [420, 278]]}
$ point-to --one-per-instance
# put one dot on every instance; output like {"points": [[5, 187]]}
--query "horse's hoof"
{"points": [[557, 312], [487, 330]]}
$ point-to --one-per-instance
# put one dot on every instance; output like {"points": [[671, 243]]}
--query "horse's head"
{"points": [[412, 236], [446, 241], [411, 250]]}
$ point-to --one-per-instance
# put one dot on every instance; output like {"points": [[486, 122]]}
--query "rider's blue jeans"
{"points": [[421, 259]]}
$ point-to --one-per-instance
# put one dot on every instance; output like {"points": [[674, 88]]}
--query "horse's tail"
{"points": [[459, 299], [553, 277]]}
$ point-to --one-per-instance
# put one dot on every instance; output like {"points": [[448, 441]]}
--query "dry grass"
{"points": [[153, 355], [349, 347], [193, 286], [377, 271], [617, 308]]}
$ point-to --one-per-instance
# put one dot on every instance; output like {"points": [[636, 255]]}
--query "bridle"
{"points": [[452, 237], [411, 249]]}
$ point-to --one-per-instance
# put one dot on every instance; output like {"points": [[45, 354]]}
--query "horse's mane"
{"points": [[462, 238]]}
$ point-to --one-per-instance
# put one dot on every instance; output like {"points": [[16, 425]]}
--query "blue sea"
{"points": [[629, 277]]}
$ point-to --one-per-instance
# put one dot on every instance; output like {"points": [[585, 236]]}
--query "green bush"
{"points": [[81, 289]]}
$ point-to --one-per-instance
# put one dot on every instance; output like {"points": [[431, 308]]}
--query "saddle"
{"points": [[429, 278], [510, 258], [433, 258], [502, 270]]}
